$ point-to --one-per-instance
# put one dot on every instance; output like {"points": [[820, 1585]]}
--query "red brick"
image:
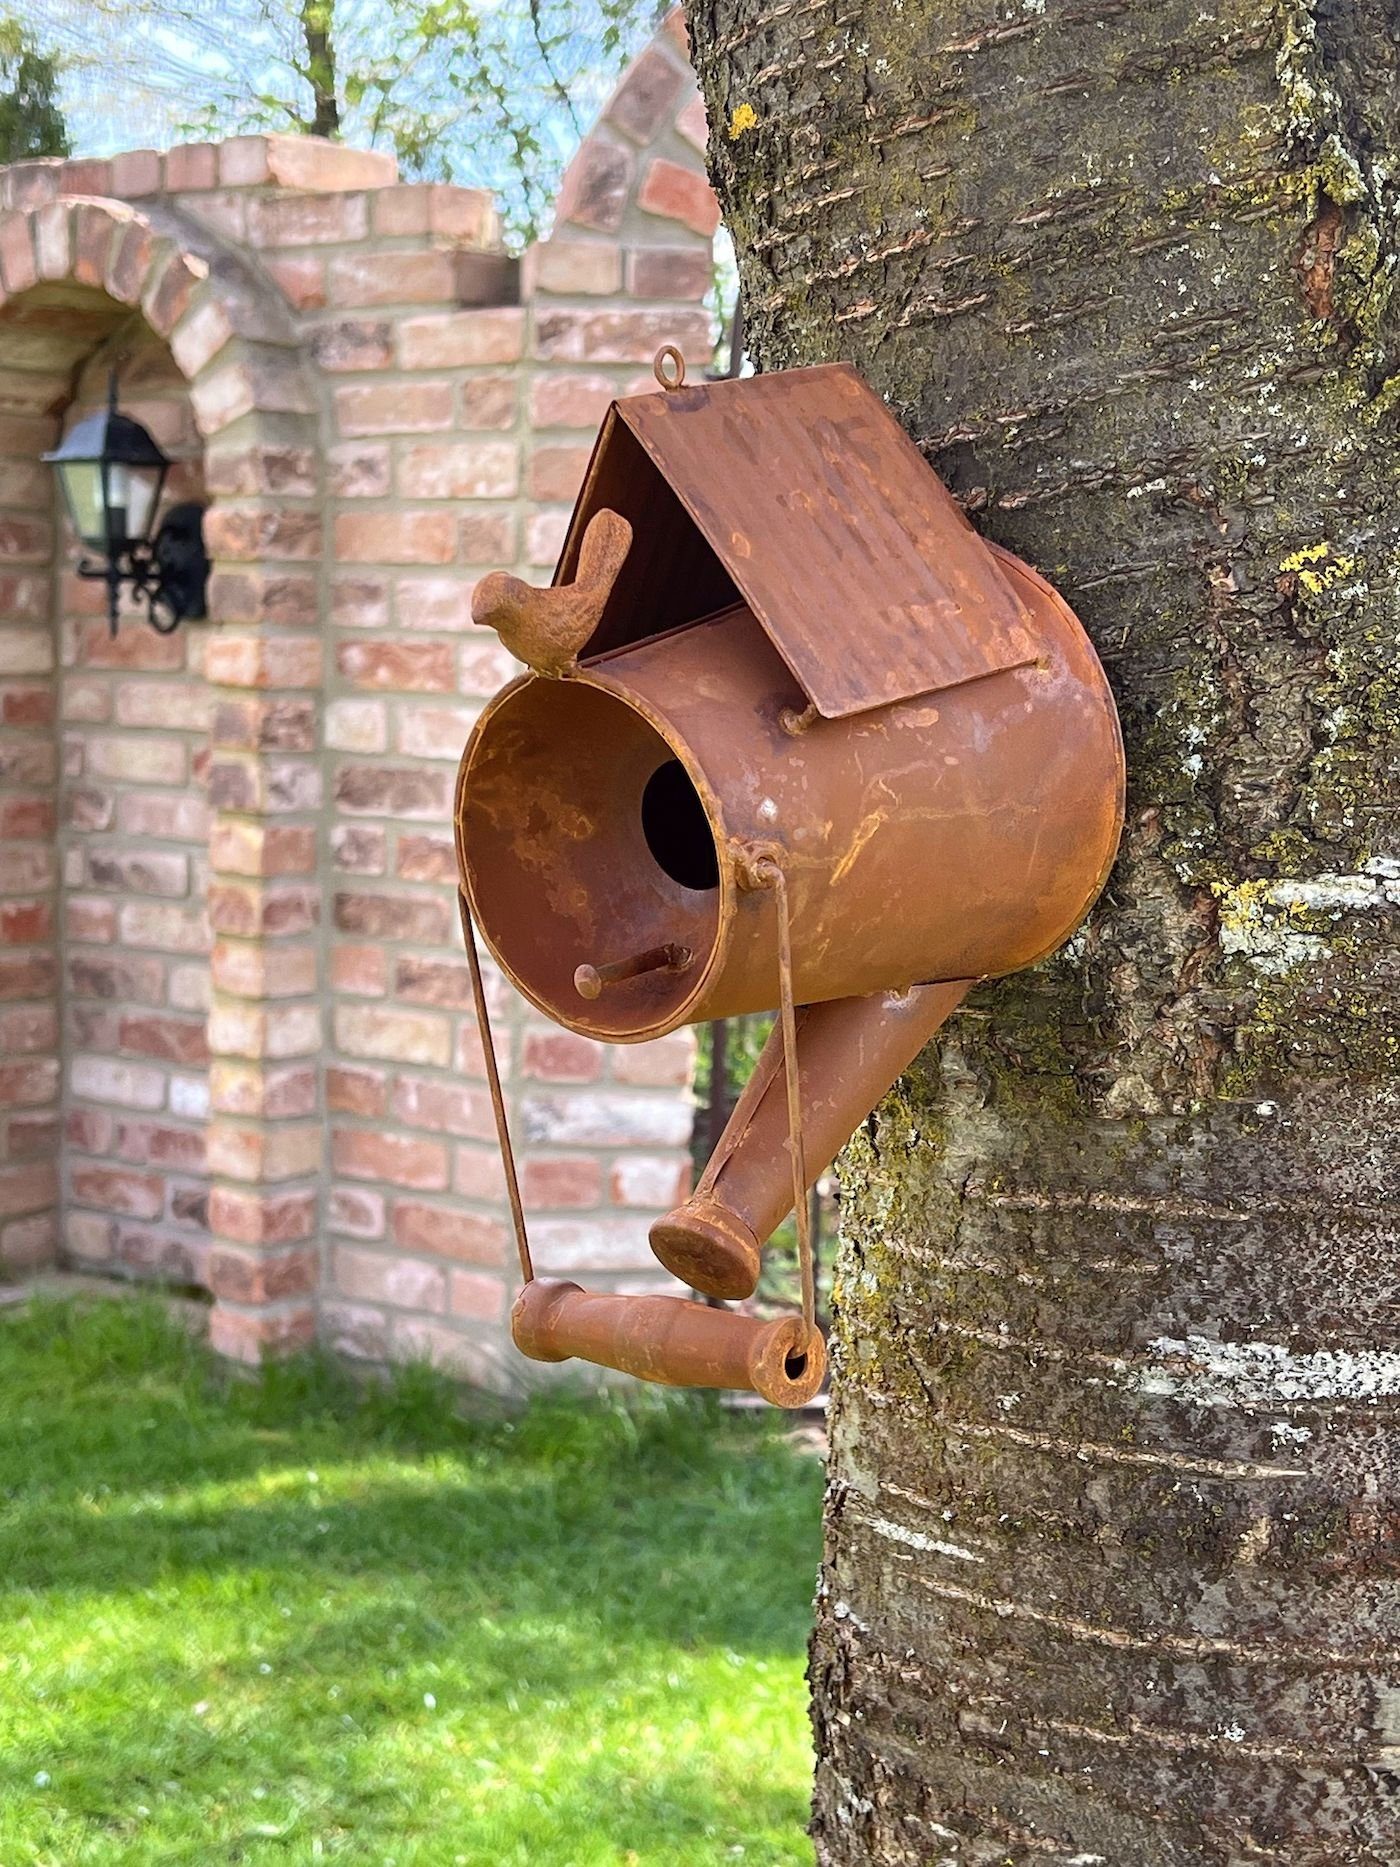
{"points": [[647, 95], [259, 661], [362, 849], [665, 1063], [358, 470], [288, 598], [402, 667], [678, 193], [258, 1335], [413, 537], [439, 604], [351, 1210], [433, 731], [307, 220], [595, 187], [398, 1036], [666, 272], [568, 399], [241, 1276], [247, 469], [27, 1187], [575, 268], [34, 977], [360, 602], [379, 1277], [29, 1244], [461, 470], [480, 1299], [254, 532], [262, 848], [561, 1057], [556, 473], [182, 819], [132, 648], [656, 1182], [361, 280], [463, 215], [29, 1084], [487, 538], [393, 791], [462, 339], [425, 919], [433, 982], [443, 1107], [394, 408], [301, 279], [360, 969], [260, 1218], [691, 124], [560, 1182], [23, 923], [191, 166], [138, 1195], [400, 1160], [623, 335], [174, 1040], [487, 402], [448, 1232], [312, 165], [356, 1092], [26, 1029], [426, 858]]}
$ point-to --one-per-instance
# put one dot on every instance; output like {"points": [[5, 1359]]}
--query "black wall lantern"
{"points": [[112, 474]]}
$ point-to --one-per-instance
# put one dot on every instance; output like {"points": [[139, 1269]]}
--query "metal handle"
{"points": [[670, 1340]]}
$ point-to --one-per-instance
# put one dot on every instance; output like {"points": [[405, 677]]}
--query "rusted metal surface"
{"points": [[851, 1050], [546, 629], [822, 516], [950, 837], [631, 836], [671, 1341]]}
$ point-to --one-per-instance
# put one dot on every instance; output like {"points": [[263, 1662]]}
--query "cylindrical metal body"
{"points": [[946, 837], [671, 1341]]}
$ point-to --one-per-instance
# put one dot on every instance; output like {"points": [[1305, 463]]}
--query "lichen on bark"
{"points": [[1107, 1573]]}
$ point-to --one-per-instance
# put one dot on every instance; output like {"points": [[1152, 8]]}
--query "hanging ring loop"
{"points": [[668, 367]]}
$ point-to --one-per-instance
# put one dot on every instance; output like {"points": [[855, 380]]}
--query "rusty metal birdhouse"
{"points": [[792, 736]]}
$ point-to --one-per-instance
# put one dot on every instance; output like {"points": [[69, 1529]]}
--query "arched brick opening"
{"points": [[388, 407], [134, 1003]]}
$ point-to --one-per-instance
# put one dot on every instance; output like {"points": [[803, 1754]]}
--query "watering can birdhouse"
{"points": [[792, 735]]}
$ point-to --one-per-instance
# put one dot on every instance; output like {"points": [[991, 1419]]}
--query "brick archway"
{"points": [[73, 271], [389, 405]]}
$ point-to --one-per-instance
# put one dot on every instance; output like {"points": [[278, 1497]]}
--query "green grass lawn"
{"points": [[290, 1620]]}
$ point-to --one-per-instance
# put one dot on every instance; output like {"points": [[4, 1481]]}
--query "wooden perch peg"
{"points": [[670, 1340], [547, 629]]}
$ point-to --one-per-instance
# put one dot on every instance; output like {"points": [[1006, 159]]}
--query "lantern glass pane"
{"points": [[131, 496], [82, 489]]}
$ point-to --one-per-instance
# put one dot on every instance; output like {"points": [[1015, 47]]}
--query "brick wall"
{"points": [[230, 961]]}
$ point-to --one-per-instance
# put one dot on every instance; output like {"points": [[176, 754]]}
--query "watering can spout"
{"points": [[849, 1052]]}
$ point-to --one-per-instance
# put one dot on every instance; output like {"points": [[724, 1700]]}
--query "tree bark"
{"points": [[1111, 1524]]}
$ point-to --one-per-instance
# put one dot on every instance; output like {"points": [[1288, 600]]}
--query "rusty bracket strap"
{"points": [[760, 865], [498, 1101]]}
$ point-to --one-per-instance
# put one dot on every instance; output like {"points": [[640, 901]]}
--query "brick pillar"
{"points": [[29, 1063], [265, 1138]]}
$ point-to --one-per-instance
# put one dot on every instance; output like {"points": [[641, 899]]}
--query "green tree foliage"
{"points": [[489, 94], [31, 122]]}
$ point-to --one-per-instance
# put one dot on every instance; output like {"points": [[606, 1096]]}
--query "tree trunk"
{"points": [[1111, 1559]]}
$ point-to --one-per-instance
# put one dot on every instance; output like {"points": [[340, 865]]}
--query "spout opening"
{"points": [[586, 839]]}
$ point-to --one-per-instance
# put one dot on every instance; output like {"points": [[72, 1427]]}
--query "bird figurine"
{"points": [[546, 629]]}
